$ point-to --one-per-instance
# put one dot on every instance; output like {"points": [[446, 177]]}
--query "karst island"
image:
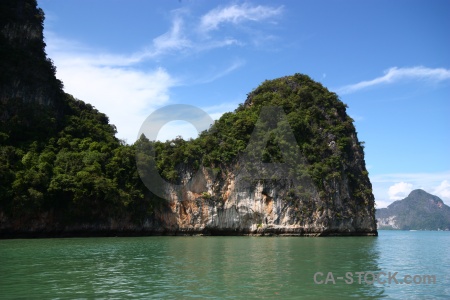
{"points": [[287, 161]]}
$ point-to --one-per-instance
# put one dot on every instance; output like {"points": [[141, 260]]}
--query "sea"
{"points": [[394, 265]]}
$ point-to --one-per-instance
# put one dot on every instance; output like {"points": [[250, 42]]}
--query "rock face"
{"points": [[29, 90], [331, 196], [287, 161], [26, 74], [419, 211], [263, 210]]}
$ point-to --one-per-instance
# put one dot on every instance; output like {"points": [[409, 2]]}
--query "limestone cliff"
{"points": [[26, 73], [330, 194], [31, 98], [263, 209], [286, 161]]}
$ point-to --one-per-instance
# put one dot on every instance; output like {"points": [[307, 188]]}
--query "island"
{"points": [[287, 161]]}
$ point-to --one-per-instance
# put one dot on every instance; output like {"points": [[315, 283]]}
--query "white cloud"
{"points": [[395, 74], [117, 84], [382, 204], [125, 95], [172, 40], [178, 39], [399, 190], [388, 187], [236, 14], [443, 190]]}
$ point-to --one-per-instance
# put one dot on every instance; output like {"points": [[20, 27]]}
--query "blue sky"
{"points": [[388, 60]]}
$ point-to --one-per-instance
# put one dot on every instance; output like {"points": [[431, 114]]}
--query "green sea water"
{"points": [[227, 267]]}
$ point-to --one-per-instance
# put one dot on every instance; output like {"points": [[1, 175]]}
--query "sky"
{"points": [[387, 60]]}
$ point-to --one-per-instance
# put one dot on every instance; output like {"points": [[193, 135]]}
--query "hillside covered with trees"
{"points": [[60, 161], [61, 164]]}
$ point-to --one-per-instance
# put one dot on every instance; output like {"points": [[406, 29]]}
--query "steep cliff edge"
{"points": [[28, 85], [286, 161], [323, 190]]}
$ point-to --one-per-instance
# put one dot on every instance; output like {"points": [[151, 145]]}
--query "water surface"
{"points": [[224, 267]]}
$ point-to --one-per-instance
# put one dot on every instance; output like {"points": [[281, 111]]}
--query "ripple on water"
{"points": [[220, 267]]}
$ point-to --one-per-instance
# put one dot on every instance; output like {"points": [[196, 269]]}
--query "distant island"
{"points": [[64, 173], [419, 211]]}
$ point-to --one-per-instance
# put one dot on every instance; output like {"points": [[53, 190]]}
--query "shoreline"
{"points": [[133, 233]]}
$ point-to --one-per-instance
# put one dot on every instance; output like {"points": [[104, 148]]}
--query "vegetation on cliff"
{"points": [[60, 158], [419, 211], [324, 132]]}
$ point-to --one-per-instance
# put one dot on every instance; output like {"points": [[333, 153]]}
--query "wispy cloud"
{"points": [[174, 40], [125, 95], [181, 37], [219, 74], [236, 14], [119, 85], [395, 74]]}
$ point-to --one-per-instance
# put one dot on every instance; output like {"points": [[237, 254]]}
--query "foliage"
{"points": [[60, 155], [322, 129], [81, 173]]}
